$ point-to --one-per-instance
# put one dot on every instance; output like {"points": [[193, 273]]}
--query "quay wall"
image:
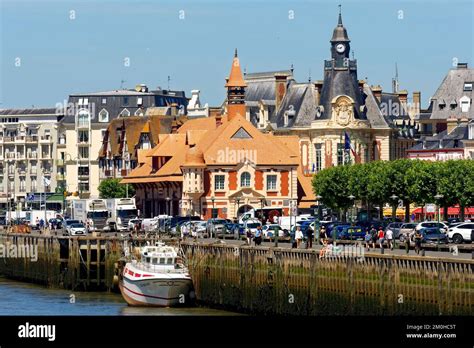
{"points": [[276, 281], [298, 282]]}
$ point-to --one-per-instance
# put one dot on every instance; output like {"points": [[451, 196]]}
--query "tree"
{"points": [[421, 182], [378, 185], [332, 185], [112, 188], [446, 178]]}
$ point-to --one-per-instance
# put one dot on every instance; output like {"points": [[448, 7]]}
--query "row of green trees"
{"points": [[112, 188], [412, 181]]}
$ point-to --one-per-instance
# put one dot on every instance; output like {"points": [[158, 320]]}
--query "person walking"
{"points": [[249, 236], [373, 233], [298, 236], [323, 235], [258, 236], [418, 239], [389, 237], [381, 236], [309, 236], [367, 239]]}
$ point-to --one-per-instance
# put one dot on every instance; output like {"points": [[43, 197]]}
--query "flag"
{"points": [[347, 144], [46, 181]]}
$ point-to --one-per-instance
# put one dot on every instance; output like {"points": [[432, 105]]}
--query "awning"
{"points": [[151, 179], [56, 197]]}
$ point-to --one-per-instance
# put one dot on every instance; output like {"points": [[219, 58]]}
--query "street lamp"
{"points": [[438, 197], [213, 206], [352, 198], [394, 199], [237, 200], [316, 223]]}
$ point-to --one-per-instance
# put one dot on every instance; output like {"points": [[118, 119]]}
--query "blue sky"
{"points": [[61, 56]]}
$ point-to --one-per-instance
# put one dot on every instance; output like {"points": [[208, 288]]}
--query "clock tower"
{"points": [[340, 79]]}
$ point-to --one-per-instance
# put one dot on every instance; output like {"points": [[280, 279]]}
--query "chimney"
{"points": [[462, 66], [174, 126], [416, 104], [318, 86], [451, 123], [403, 96], [174, 109], [280, 89], [377, 91], [218, 120]]}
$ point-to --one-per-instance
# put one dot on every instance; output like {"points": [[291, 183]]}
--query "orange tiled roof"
{"points": [[236, 78]]}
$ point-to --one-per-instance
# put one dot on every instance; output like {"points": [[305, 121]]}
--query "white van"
{"points": [[284, 221]]}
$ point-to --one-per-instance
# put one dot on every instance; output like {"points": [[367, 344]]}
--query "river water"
{"points": [[18, 298]]}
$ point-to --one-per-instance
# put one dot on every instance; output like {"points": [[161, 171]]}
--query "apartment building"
{"points": [[85, 123], [28, 140]]}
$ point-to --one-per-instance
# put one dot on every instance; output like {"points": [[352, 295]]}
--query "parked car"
{"points": [[395, 228], [69, 222], [429, 224], [461, 233], [215, 226], [433, 235], [76, 229], [350, 232], [270, 230], [406, 230], [132, 223], [253, 225]]}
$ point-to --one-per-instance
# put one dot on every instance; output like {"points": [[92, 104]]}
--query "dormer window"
{"points": [[453, 104], [465, 103], [468, 86], [441, 104]]}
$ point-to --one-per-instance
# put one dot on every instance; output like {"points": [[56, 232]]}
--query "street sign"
{"points": [[430, 208]]}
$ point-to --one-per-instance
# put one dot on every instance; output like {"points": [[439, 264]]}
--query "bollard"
{"points": [[423, 252]]}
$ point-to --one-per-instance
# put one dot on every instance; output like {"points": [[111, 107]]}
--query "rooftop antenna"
{"points": [[309, 76], [169, 79], [245, 71], [292, 68], [121, 83], [353, 54]]}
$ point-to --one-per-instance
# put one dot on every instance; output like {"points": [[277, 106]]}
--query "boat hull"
{"points": [[157, 292]]}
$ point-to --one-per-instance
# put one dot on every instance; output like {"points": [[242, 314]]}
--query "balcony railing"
{"points": [[46, 139], [8, 139], [60, 162], [45, 156], [20, 156], [22, 171], [33, 171], [20, 138], [32, 155], [46, 171], [10, 155], [59, 177], [32, 139]]}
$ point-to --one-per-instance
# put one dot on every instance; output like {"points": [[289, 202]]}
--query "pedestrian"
{"points": [[323, 235], [373, 233], [258, 236], [194, 231], [249, 236], [367, 238], [381, 236], [418, 239], [309, 236], [37, 223], [298, 236], [389, 237]]}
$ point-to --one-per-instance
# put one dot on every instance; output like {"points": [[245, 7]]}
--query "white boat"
{"points": [[159, 279]]}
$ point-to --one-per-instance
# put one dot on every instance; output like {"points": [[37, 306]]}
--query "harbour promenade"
{"points": [[260, 280]]}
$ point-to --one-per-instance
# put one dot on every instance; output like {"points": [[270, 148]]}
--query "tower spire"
{"points": [[339, 22], [235, 90], [235, 53]]}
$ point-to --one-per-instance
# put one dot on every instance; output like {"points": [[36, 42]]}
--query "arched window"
{"points": [[245, 179], [103, 116], [83, 118]]}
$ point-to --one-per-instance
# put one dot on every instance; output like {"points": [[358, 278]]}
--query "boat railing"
{"points": [[176, 268]]}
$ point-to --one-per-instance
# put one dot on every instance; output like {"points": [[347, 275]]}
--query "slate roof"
{"points": [[453, 140], [32, 111], [452, 88]]}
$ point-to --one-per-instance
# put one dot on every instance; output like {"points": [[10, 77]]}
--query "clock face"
{"points": [[340, 48]]}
